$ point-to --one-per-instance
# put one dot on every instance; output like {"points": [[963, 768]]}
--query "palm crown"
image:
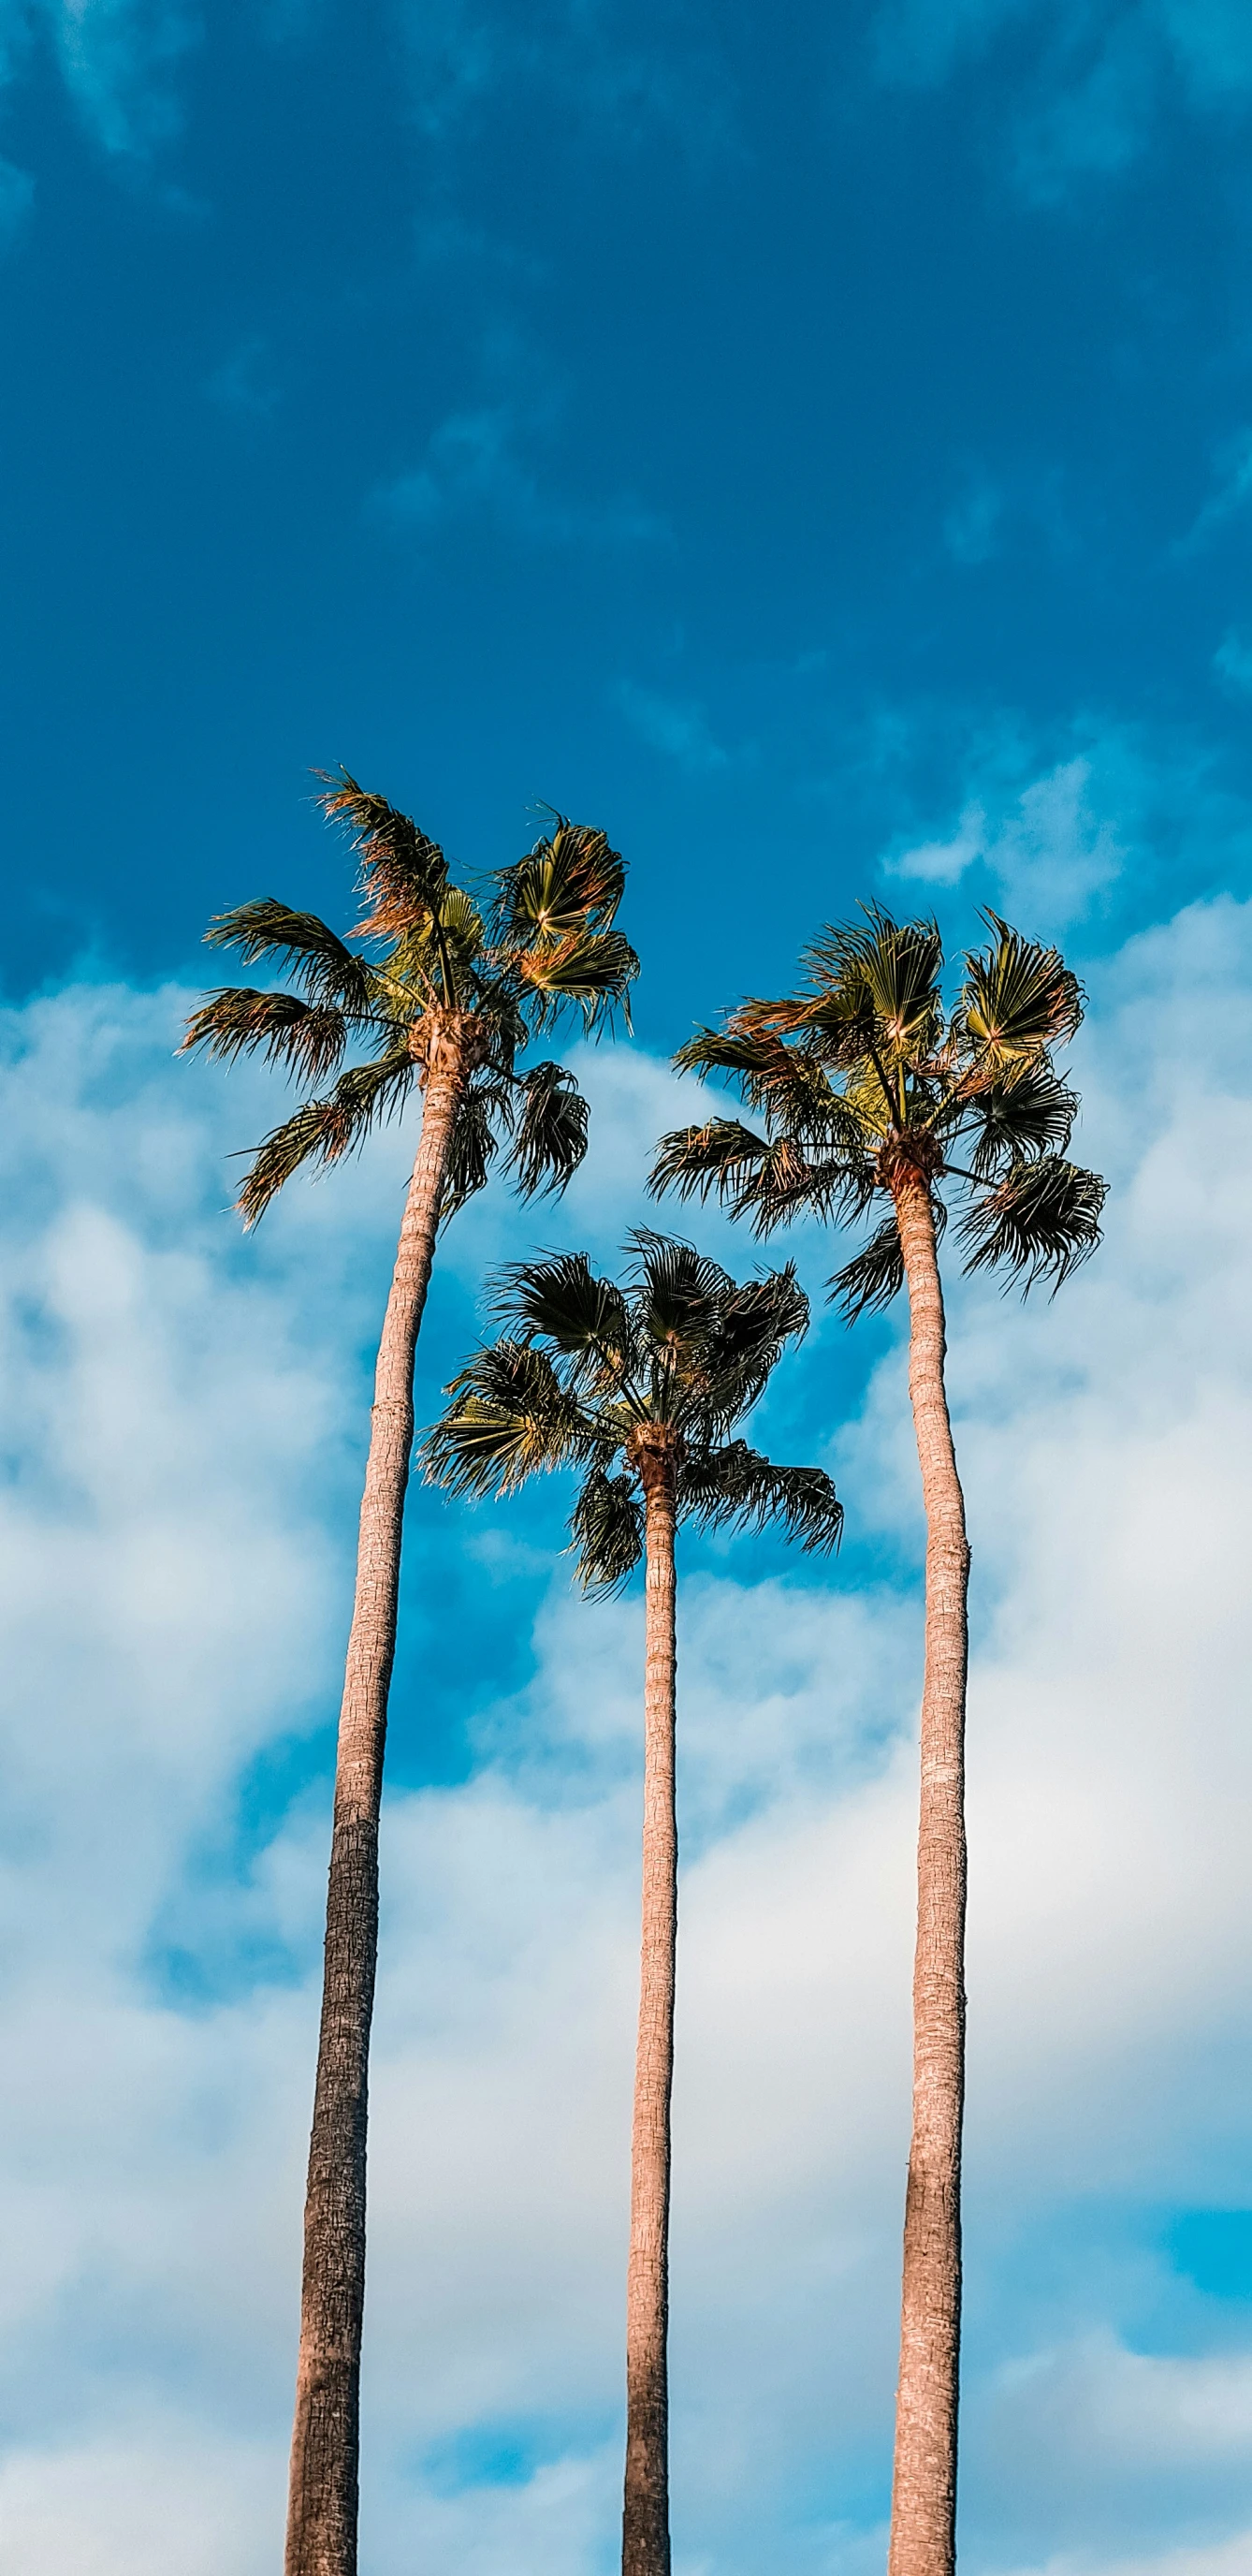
{"points": [[637, 1386], [429, 956], [865, 1078]]}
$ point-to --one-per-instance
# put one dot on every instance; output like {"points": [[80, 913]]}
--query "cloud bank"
{"points": [[182, 1423]]}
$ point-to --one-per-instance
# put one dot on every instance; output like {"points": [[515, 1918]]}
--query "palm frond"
{"points": [[571, 880], [324, 1130], [749, 1332], [550, 1136], [606, 1530], [868, 1282], [404, 873], [593, 968], [788, 1083], [509, 1417], [881, 976], [720, 1156], [1040, 1223], [471, 1150], [1017, 999], [308, 1037], [677, 1292], [315, 957], [558, 1298], [735, 1485], [1020, 1120]]}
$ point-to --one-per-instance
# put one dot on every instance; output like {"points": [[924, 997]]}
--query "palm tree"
{"points": [[436, 992], [867, 1088], [639, 1388]]}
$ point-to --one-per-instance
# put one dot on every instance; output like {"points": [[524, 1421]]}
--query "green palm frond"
{"points": [[403, 872], [735, 1485], [325, 1130], [767, 1179], [676, 1295], [593, 968], [571, 880], [868, 1282], [751, 1328], [720, 1156], [788, 1083], [308, 1037], [471, 1150], [876, 980], [1040, 1223], [510, 1416], [315, 957], [558, 1299], [1021, 1120], [1017, 1000], [606, 1530], [550, 1134]]}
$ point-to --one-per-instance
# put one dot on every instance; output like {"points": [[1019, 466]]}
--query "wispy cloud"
{"points": [[475, 464], [971, 529], [1233, 662], [1231, 497], [118, 59], [1050, 851], [1088, 78], [17, 195], [624, 78], [675, 726], [242, 382]]}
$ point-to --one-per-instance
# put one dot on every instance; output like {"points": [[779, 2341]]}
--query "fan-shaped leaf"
{"points": [[509, 1417], [551, 1130], [1040, 1223], [1018, 999], [606, 1529], [324, 1130], [308, 1037], [736, 1485], [315, 958]]}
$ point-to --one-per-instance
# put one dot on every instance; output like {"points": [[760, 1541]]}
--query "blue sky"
{"points": [[819, 449]]}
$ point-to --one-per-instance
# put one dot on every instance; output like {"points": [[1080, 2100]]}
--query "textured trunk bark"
{"points": [[322, 2506], [923, 2503], [645, 2512]]}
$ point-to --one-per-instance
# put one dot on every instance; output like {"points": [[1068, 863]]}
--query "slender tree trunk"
{"points": [[645, 2513], [322, 2506], [923, 2503]]}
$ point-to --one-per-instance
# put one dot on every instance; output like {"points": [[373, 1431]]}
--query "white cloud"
{"points": [[181, 1417], [1050, 852]]}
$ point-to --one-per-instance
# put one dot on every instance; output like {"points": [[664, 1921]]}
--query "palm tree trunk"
{"points": [[322, 2506], [923, 2503], [645, 2512]]}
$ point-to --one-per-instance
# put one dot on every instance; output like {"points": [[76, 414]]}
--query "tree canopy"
{"points": [[609, 1379], [502, 957], [865, 1079]]}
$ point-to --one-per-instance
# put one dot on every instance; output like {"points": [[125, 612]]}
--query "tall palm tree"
{"points": [[868, 1088], [639, 1388], [437, 990]]}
